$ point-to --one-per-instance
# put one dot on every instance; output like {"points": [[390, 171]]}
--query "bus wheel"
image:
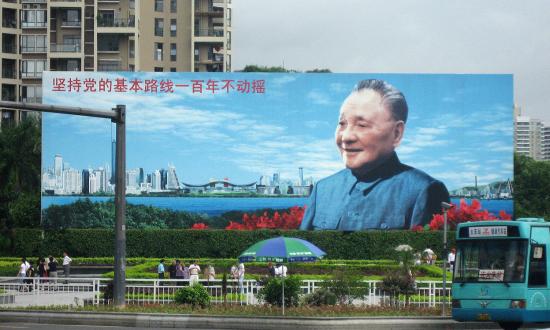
{"points": [[510, 325]]}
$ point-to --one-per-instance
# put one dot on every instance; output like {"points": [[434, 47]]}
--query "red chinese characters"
{"points": [[152, 86]]}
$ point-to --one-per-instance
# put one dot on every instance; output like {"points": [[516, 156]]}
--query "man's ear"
{"points": [[398, 131]]}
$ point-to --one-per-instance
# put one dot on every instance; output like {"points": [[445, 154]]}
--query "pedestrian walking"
{"points": [[52, 266], [22, 273], [160, 270], [66, 264]]}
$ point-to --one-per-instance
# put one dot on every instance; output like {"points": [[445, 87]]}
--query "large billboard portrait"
{"points": [[292, 151]]}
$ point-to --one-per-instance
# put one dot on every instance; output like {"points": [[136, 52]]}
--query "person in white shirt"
{"points": [[240, 274], [451, 258], [280, 270], [66, 264], [22, 273], [194, 271]]}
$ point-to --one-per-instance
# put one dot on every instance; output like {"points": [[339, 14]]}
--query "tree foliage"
{"points": [[531, 184], [20, 151], [280, 69]]}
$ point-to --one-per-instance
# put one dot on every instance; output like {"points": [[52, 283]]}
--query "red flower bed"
{"points": [[199, 226], [463, 213], [287, 220]]}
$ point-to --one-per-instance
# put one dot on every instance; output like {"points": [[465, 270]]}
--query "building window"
{"points": [[173, 52], [173, 6], [33, 18], [158, 69], [108, 43], [131, 49], [32, 68], [33, 44], [173, 70], [71, 43], [71, 17], [109, 66], [173, 26], [31, 93], [158, 51], [132, 4], [228, 40], [159, 27], [106, 18], [159, 5], [197, 55]]}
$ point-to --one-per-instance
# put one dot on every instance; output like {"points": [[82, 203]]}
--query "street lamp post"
{"points": [[446, 207]]}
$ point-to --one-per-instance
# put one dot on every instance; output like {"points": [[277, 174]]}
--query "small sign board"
{"points": [[491, 275], [488, 231]]}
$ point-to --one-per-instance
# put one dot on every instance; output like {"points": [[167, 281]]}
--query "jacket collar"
{"points": [[387, 169]]}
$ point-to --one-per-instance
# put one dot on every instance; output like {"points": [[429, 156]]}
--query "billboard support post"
{"points": [[120, 207], [118, 116], [446, 207]]}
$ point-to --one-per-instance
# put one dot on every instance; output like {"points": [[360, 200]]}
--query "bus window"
{"points": [[490, 260], [537, 266]]}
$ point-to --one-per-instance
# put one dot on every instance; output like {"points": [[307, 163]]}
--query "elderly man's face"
{"points": [[366, 134]]}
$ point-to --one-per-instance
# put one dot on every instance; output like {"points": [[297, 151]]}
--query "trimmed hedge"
{"points": [[217, 243]]}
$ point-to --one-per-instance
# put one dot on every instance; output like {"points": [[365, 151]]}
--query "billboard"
{"points": [[257, 150]]}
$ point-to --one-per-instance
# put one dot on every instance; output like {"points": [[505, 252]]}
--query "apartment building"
{"points": [[107, 35]]}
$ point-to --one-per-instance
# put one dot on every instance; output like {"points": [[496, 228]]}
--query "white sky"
{"points": [[427, 36]]}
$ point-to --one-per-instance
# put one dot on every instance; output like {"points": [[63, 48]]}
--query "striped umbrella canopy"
{"points": [[282, 249]]}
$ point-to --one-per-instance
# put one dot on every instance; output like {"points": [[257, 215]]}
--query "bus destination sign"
{"points": [[492, 231]]}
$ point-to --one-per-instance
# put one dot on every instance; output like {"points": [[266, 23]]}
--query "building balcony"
{"points": [[116, 25], [71, 24], [33, 49], [210, 12], [33, 25], [9, 23], [65, 48], [9, 48], [216, 59], [209, 33], [66, 3], [35, 99], [9, 73], [116, 22], [33, 1]]}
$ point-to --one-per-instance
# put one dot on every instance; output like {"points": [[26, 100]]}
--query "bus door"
{"points": [[538, 295]]}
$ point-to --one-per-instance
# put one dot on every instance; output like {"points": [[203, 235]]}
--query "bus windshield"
{"points": [[490, 260]]}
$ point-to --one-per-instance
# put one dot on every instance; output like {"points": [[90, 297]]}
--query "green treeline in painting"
{"points": [[87, 214]]}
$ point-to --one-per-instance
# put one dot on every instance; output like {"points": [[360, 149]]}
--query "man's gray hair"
{"points": [[391, 96]]}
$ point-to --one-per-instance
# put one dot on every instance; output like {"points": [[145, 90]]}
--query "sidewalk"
{"points": [[230, 322]]}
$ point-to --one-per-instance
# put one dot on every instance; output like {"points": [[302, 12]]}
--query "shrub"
{"points": [[398, 283], [272, 292], [195, 295], [319, 297], [346, 286], [213, 243]]}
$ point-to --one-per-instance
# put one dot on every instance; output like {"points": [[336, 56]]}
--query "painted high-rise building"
{"points": [[172, 182], [85, 182], [58, 172], [108, 35]]}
